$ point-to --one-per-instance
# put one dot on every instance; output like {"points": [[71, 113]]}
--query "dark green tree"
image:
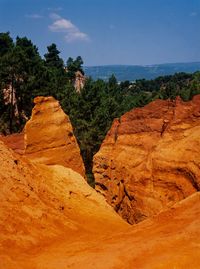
{"points": [[73, 66], [52, 57], [55, 72], [6, 43]]}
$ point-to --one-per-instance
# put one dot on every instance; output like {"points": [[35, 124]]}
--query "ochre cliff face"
{"points": [[150, 158], [49, 137], [51, 218], [15, 142], [42, 204]]}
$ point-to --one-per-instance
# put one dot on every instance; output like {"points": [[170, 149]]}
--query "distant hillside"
{"points": [[133, 72]]}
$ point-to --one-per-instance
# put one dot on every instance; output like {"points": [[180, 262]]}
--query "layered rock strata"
{"points": [[51, 218], [150, 158]]}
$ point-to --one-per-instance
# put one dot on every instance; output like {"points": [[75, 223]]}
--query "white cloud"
{"points": [[63, 25], [34, 16], [193, 14], [72, 32], [76, 36], [55, 16]]}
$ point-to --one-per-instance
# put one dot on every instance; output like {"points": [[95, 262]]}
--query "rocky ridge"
{"points": [[150, 158], [51, 218], [48, 137], [41, 204]]}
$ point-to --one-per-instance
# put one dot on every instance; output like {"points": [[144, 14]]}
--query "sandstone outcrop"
{"points": [[150, 158], [43, 204], [79, 81], [51, 218], [169, 240], [49, 137], [15, 142]]}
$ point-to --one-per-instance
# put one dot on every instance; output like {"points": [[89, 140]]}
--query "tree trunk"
{"points": [[11, 106]]}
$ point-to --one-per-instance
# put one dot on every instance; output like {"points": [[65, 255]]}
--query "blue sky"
{"points": [[138, 32]]}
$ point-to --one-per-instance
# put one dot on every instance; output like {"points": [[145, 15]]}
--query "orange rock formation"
{"points": [[49, 136], [15, 142], [170, 240], [51, 218], [150, 159], [43, 204]]}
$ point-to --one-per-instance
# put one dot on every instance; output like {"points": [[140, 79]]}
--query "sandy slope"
{"points": [[41, 205], [51, 219], [169, 240]]}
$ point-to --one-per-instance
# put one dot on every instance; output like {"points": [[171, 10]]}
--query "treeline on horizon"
{"points": [[25, 75]]}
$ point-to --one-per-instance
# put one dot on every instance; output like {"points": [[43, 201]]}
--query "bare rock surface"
{"points": [[14, 141], [168, 240], [50, 218], [49, 137], [150, 158], [42, 204]]}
